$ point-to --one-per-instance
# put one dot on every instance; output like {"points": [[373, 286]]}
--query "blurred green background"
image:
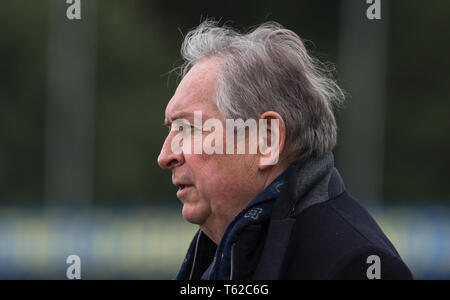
{"points": [[82, 105]]}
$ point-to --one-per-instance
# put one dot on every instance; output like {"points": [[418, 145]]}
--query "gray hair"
{"points": [[269, 69]]}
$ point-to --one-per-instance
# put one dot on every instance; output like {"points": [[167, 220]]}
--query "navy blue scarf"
{"points": [[257, 211]]}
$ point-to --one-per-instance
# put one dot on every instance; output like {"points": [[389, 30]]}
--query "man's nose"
{"points": [[167, 159]]}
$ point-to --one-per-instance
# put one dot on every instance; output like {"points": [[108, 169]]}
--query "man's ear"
{"points": [[271, 138]]}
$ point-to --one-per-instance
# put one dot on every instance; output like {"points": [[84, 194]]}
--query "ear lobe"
{"points": [[266, 162], [273, 134]]}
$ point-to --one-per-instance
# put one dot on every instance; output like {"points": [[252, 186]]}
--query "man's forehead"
{"points": [[184, 106], [196, 91]]}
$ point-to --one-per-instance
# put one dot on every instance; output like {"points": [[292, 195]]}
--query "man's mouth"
{"points": [[183, 189], [183, 186]]}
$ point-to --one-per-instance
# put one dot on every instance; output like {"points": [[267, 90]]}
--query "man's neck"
{"points": [[276, 171], [215, 231]]}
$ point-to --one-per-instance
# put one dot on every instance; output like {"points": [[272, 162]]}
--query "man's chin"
{"points": [[193, 214]]}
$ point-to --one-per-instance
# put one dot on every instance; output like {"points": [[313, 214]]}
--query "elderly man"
{"points": [[282, 212]]}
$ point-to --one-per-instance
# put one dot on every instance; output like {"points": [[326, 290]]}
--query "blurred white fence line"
{"points": [[146, 242]]}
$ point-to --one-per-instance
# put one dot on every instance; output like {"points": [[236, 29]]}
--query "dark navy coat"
{"points": [[316, 231]]}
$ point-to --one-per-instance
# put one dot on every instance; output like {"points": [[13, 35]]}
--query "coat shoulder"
{"points": [[334, 240]]}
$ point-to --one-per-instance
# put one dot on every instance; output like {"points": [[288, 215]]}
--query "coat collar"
{"points": [[313, 181]]}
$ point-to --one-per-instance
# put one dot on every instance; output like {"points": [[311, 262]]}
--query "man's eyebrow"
{"points": [[168, 122]]}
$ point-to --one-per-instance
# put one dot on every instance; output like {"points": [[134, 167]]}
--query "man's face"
{"points": [[213, 188]]}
